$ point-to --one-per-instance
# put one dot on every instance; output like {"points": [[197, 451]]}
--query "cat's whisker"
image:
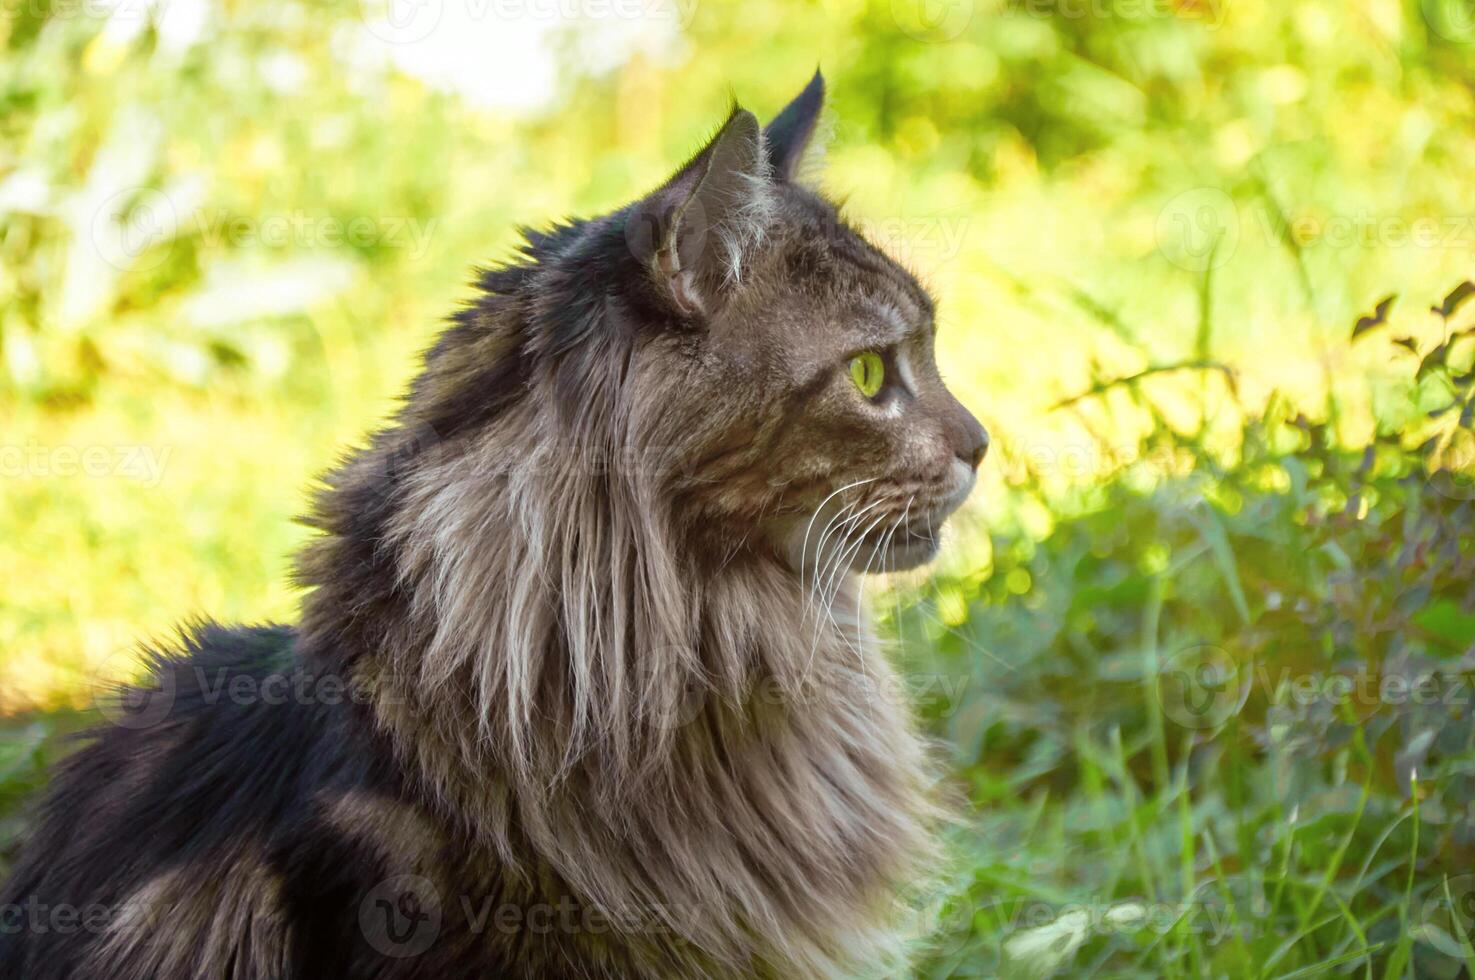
{"points": [[851, 509], [824, 570], [890, 534], [835, 582], [825, 562], [821, 566], [876, 551], [817, 562], [851, 522], [896, 596], [845, 555], [821, 559], [881, 544], [804, 548], [879, 550], [927, 515], [831, 570]]}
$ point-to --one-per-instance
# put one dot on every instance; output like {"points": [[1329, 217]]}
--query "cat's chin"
{"points": [[890, 550], [904, 551], [903, 557]]}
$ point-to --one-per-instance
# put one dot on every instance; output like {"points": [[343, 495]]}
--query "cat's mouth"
{"points": [[904, 547], [891, 534], [912, 539]]}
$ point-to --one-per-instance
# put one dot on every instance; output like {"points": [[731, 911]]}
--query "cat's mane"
{"points": [[672, 734]]}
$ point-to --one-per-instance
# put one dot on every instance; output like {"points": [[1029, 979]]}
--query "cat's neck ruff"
{"points": [[709, 750]]}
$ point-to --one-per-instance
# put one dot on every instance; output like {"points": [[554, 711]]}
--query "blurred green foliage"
{"points": [[1194, 716], [226, 228]]}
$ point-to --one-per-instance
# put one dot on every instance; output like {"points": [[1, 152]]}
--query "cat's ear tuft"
{"points": [[695, 232], [791, 134]]}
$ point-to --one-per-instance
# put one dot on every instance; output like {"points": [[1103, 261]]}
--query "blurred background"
{"points": [[1200, 651]]}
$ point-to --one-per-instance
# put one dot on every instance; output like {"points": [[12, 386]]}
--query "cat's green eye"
{"points": [[869, 372]]}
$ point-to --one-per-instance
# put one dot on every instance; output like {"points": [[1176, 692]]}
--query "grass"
{"points": [[1222, 723]]}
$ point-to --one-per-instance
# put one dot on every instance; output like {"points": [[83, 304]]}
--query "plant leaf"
{"points": [[1378, 319], [1455, 299], [1432, 360]]}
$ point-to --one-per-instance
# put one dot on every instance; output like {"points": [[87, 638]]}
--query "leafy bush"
{"points": [[1218, 721]]}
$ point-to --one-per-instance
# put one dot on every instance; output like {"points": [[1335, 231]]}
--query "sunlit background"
{"points": [[227, 228]]}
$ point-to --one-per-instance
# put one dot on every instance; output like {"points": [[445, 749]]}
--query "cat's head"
{"points": [[730, 349]]}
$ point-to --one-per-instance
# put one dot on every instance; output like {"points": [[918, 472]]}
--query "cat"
{"points": [[581, 686]]}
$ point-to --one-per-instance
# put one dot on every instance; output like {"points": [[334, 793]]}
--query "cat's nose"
{"points": [[969, 437], [961, 431], [973, 452]]}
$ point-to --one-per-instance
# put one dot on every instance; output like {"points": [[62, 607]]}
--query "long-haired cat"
{"points": [[581, 687]]}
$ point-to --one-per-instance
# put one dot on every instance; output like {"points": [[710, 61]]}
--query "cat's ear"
{"points": [[791, 133], [693, 233]]}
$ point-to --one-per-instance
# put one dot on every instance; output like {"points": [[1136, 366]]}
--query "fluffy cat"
{"points": [[581, 686]]}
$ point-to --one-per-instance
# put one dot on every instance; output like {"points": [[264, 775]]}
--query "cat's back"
{"points": [[184, 814]]}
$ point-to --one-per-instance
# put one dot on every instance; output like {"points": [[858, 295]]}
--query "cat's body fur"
{"points": [[558, 701]]}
